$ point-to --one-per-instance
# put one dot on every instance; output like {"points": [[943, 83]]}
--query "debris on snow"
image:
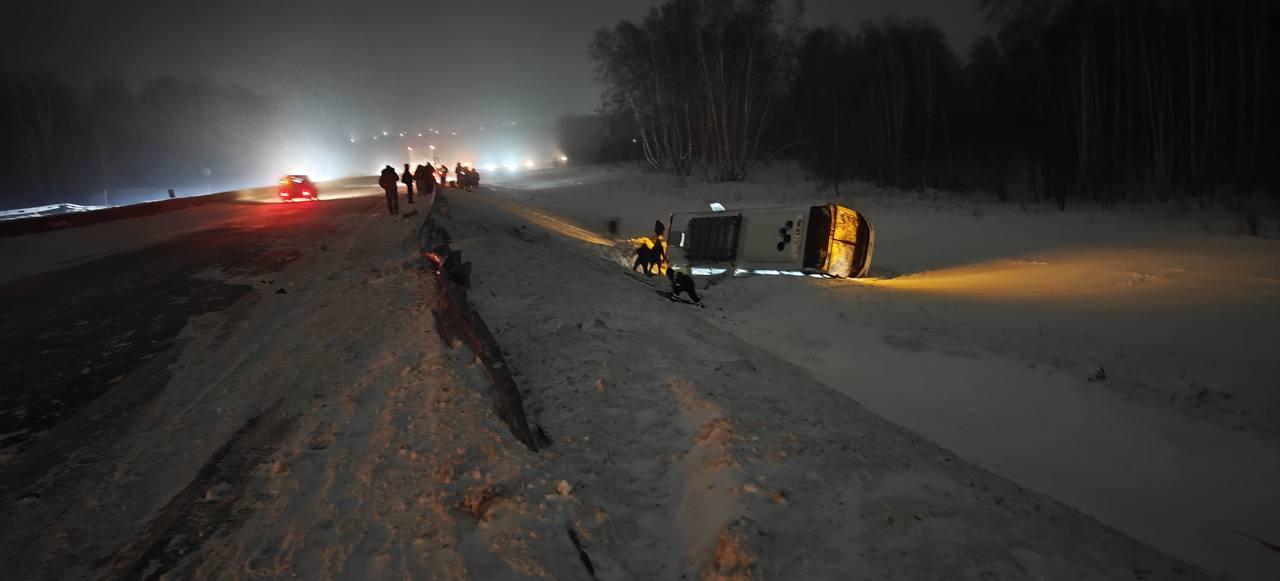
{"points": [[480, 501]]}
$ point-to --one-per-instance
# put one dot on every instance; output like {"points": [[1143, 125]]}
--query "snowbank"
{"points": [[1120, 361], [690, 451], [46, 210]]}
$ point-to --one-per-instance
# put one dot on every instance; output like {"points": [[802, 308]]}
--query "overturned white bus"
{"points": [[829, 239]]}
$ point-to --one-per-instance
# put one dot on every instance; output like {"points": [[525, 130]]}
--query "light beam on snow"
{"points": [[1168, 274], [547, 221]]}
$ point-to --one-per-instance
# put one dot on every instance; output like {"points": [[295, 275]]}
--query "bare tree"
{"points": [[699, 78]]}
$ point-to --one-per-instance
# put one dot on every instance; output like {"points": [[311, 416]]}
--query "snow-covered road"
{"points": [[308, 424]]}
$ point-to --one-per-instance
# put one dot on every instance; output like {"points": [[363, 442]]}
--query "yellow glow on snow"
{"points": [[548, 221], [1171, 276]]}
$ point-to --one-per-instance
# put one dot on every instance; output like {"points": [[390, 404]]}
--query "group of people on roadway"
{"points": [[426, 178]]}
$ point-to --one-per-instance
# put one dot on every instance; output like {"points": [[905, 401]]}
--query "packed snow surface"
{"points": [[1122, 361], [1016, 393]]}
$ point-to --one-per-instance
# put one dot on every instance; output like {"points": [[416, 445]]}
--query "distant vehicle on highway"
{"points": [[297, 187]]}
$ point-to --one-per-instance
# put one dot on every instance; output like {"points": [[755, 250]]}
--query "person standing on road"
{"points": [[444, 176], [407, 180], [388, 182], [423, 177], [433, 187]]}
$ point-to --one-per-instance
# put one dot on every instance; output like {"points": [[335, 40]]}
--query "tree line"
{"points": [[697, 80], [81, 144], [1099, 100]]}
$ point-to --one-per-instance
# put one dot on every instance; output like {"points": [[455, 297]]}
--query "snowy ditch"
{"points": [[1119, 361], [693, 452], [455, 318]]}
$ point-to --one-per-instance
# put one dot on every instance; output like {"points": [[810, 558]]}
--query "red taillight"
{"points": [[306, 193]]}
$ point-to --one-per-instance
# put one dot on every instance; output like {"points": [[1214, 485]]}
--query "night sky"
{"points": [[377, 63]]}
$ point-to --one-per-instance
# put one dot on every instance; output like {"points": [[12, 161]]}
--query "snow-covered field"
{"points": [[944, 420], [1120, 361], [694, 453]]}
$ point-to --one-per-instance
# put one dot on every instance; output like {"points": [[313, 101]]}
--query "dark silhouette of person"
{"points": [[659, 244], [388, 182], [682, 283], [444, 176], [425, 180], [645, 256], [407, 180]]}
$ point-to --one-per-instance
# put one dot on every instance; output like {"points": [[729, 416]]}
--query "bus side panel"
{"points": [[773, 239]]}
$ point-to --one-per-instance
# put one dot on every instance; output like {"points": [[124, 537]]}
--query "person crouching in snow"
{"points": [[682, 283]]}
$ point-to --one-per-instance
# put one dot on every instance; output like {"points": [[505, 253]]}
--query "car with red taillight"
{"points": [[297, 187]]}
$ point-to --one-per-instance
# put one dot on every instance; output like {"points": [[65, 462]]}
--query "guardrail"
{"points": [[20, 226]]}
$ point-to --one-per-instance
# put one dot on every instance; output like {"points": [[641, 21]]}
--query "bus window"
{"points": [[713, 238]]}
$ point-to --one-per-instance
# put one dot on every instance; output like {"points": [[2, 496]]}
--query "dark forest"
{"points": [[1094, 100], [1098, 100]]}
